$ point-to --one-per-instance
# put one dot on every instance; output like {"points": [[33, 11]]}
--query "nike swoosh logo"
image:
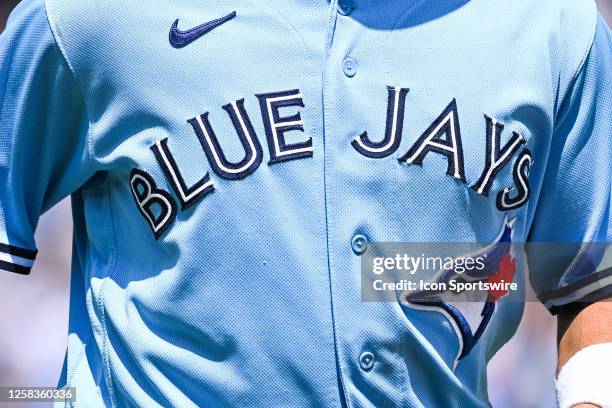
{"points": [[180, 39]]}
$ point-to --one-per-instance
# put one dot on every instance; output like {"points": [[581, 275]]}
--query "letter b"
{"points": [[156, 205]]}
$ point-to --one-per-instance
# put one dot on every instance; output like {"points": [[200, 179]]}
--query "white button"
{"points": [[349, 66], [359, 243], [366, 361], [345, 7]]}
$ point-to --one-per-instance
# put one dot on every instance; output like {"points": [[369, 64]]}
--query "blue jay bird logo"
{"points": [[499, 266]]}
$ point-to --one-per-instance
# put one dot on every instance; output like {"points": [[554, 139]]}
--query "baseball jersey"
{"points": [[229, 164]]}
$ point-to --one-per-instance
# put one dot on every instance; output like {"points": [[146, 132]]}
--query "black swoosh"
{"points": [[180, 39]]}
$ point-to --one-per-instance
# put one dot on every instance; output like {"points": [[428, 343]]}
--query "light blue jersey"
{"points": [[229, 162]]}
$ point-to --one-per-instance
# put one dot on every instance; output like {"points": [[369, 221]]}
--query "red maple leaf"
{"points": [[505, 273]]}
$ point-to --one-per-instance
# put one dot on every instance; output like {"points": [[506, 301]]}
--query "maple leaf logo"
{"points": [[505, 273]]}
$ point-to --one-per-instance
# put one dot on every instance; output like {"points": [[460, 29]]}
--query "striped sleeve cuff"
{"points": [[15, 259], [593, 288]]}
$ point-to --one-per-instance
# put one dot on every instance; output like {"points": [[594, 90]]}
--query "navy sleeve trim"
{"points": [[602, 294], [593, 288], [16, 259], [20, 252]]}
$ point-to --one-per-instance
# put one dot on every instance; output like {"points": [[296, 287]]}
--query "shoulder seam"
{"points": [[580, 65], [64, 55], [587, 51]]}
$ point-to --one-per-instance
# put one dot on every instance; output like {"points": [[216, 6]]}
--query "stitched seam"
{"points": [[112, 269], [578, 70], [586, 53], [104, 351], [532, 205], [72, 370], [64, 55], [335, 337], [100, 306], [100, 303]]}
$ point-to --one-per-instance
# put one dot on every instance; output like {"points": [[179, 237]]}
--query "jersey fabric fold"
{"points": [[229, 162]]}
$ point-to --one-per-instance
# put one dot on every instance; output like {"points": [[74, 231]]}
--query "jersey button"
{"points": [[349, 66], [366, 361], [359, 243], [345, 7]]}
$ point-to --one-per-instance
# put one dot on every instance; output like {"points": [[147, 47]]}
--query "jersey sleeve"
{"points": [[569, 242], [43, 132]]}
